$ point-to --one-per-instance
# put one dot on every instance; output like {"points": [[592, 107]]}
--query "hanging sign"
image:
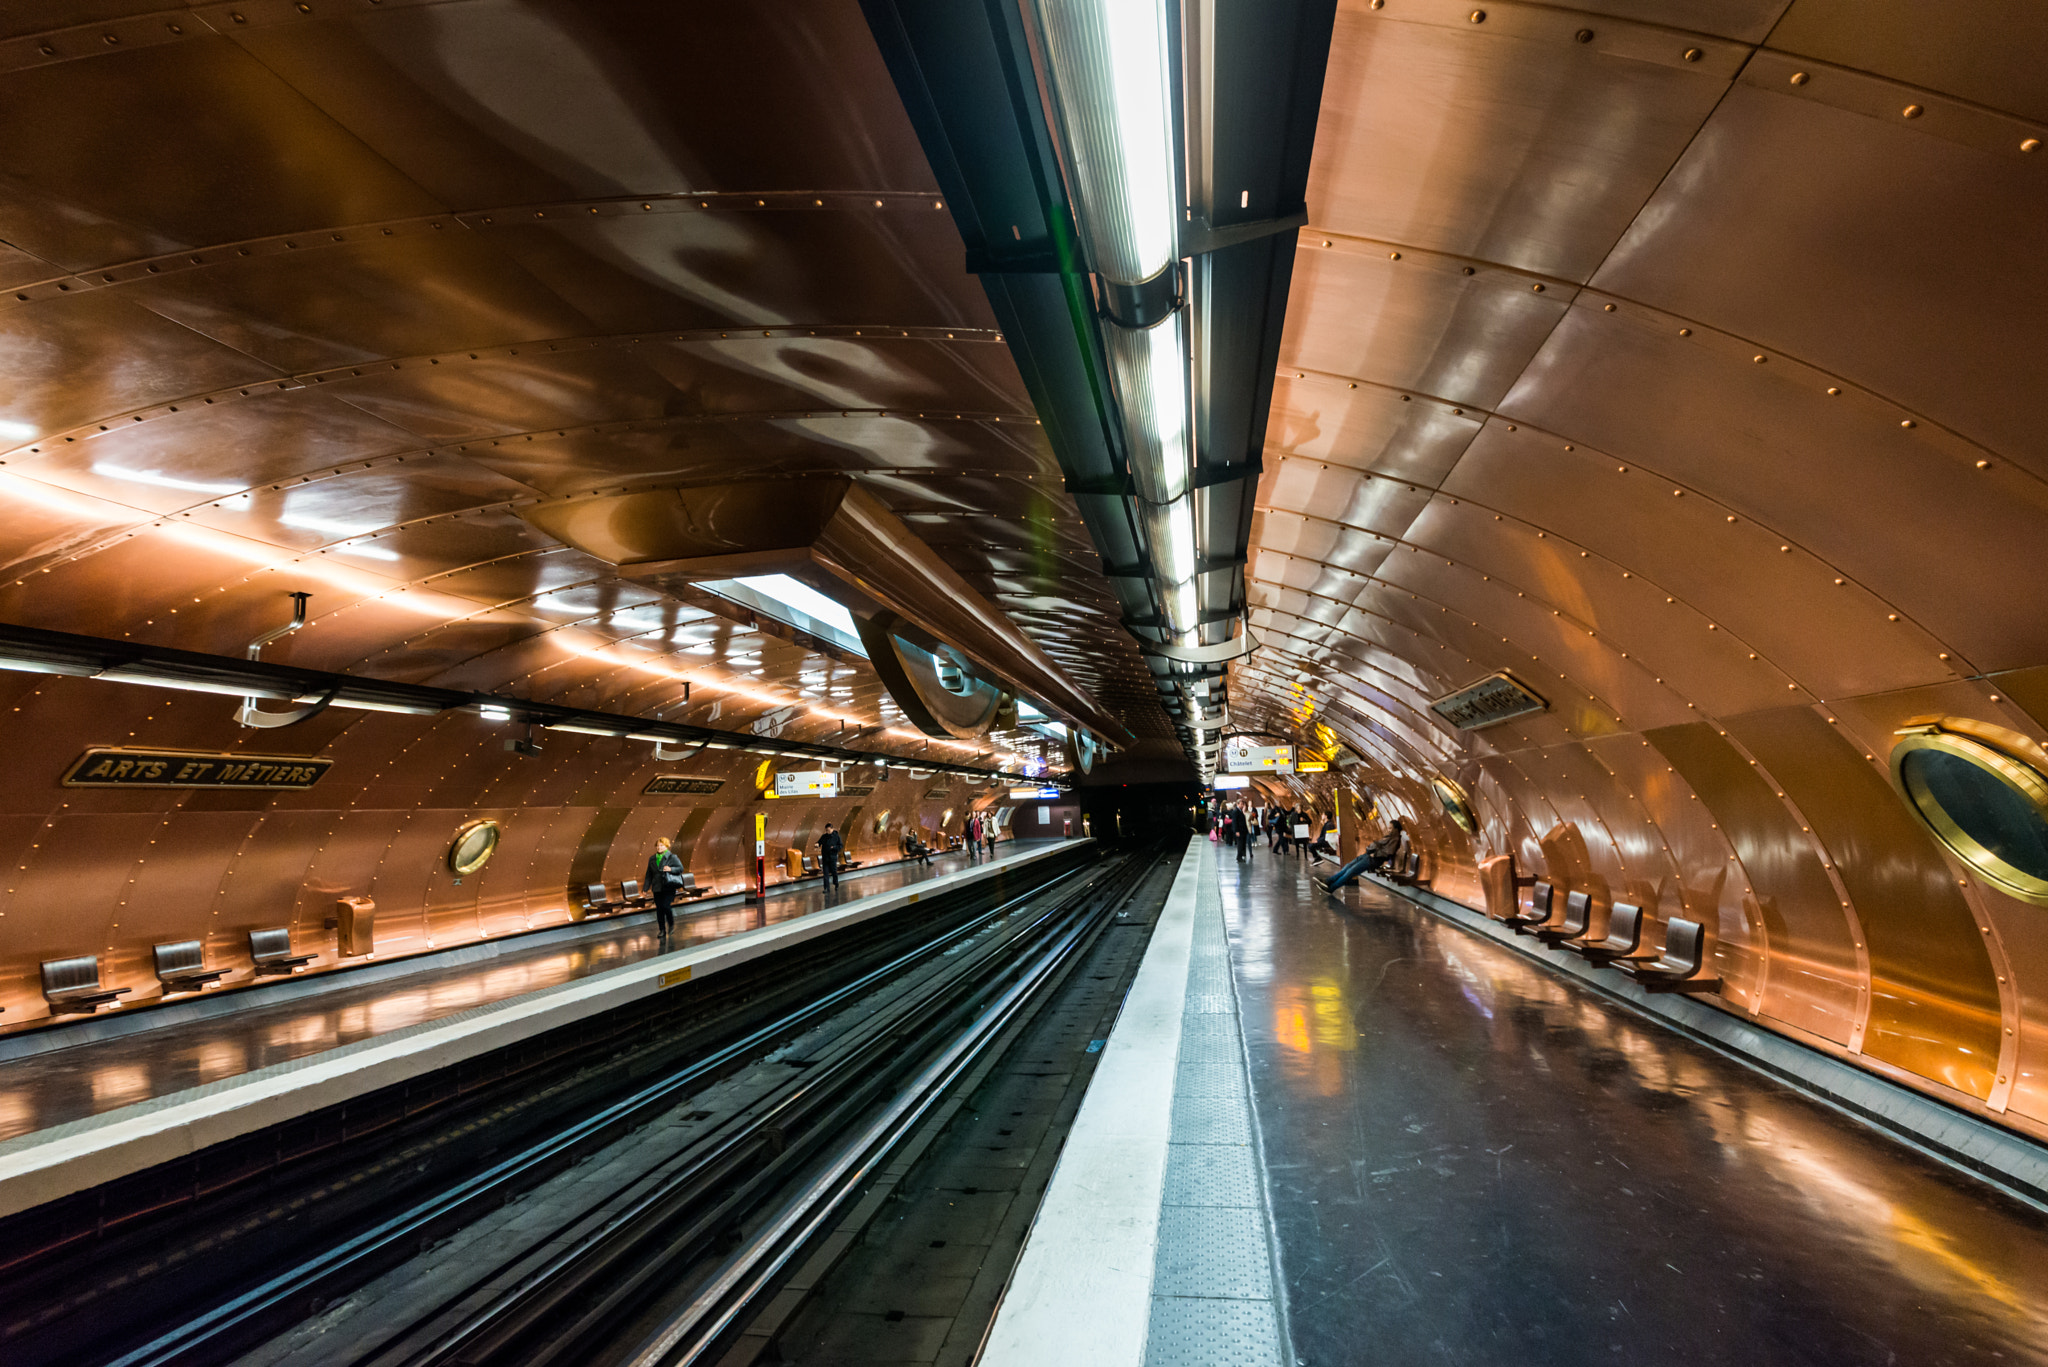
{"points": [[807, 783], [676, 783], [1494, 699], [1240, 756], [118, 768]]}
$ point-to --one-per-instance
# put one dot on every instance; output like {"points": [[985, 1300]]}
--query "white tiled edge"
{"points": [[1081, 1294], [48, 1164]]}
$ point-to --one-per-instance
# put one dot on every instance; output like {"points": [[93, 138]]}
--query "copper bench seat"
{"points": [[271, 949], [74, 985], [1681, 967], [181, 966]]}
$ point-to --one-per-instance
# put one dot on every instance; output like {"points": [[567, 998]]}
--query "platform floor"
{"points": [[1388, 1138], [158, 1053], [1472, 1160]]}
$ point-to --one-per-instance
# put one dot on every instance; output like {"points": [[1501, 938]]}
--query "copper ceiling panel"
{"points": [[1331, 503], [589, 97], [762, 268], [265, 440], [972, 372], [1787, 217], [79, 359], [360, 502], [196, 139], [357, 302], [1508, 141], [1419, 323], [1830, 635], [510, 392], [1589, 619], [1991, 54], [1831, 474], [1367, 427]]}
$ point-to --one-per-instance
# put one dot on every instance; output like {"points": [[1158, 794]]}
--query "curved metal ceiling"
{"points": [[322, 296]]}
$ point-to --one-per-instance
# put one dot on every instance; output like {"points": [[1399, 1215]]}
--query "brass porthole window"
{"points": [[881, 821], [1985, 803], [1454, 802], [473, 847]]}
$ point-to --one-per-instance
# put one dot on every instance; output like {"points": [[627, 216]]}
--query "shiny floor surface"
{"points": [[70, 1084], [1473, 1161]]}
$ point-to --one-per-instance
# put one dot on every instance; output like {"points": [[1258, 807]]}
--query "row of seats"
{"points": [[1680, 966], [74, 984], [599, 901]]}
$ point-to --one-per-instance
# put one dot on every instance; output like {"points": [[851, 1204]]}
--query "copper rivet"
{"points": [[1479, 16], [1326, 242], [1608, 307], [2031, 144], [1584, 35], [1379, 4], [1912, 111], [1983, 465], [239, 18], [109, 39], [1537, 288], [1907, 422], [1469, 271], [1693, 54], [1396, 256], [1799, 78], [1758, 359], [1685, 332], [47, 50], [1833, 389]]}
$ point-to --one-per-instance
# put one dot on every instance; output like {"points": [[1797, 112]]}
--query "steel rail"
{"points": [[196, 1338], [615, 1252]]}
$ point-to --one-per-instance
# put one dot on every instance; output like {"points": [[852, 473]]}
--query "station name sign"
{"points": [[115, 768], [676, 783], [1494, 699]]}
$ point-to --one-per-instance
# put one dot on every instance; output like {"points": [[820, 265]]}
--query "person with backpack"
{"points": [[830, 848], [664, 876]]}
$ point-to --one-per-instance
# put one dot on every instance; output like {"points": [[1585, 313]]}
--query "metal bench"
{"points": [[689, 887], [598, 901], [1680, 968], [1542, 900], [181, 966], [271, 949], [1624, 936], [1578, 918], [74, 985], [630, 894]]}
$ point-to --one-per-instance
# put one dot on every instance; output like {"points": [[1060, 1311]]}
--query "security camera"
{"points": [[523, 747]]}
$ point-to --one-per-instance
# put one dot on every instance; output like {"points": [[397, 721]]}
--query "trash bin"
{"points": [[355, 922]]}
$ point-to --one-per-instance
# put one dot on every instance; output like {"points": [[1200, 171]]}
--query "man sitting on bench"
{"points": [[1376, 854]]}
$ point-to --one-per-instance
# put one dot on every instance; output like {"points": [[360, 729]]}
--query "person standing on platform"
{"points": [[974, 838], [664, 876], [990, 831], [830, 847], [1241, 831]]}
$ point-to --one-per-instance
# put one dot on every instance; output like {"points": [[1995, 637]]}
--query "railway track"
{"points": [[664, 1266]]}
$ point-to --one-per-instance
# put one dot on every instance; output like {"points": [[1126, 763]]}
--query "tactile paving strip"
{"points": [[1213, 1300]]}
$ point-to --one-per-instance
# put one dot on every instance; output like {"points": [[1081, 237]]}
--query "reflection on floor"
{"points": [[1474, 1161], [69, 1084]]}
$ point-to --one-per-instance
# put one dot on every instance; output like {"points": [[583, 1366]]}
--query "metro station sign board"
{"points": [[121, 768], [1240, 756], [807, 783], [676, 783], [1494, 699]]}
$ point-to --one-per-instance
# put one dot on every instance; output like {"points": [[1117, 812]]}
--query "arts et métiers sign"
{"points": [[118, 768]]}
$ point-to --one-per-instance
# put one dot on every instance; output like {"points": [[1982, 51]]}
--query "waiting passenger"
{"points": [[664, 876], [1376, 854], [830, 848]]}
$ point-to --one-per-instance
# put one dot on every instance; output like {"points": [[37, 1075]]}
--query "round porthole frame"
{"points": [[2017, 775], [882, 821], [462, 865], [1457, 804]]}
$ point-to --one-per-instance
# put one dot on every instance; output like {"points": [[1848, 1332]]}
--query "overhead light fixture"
{"points": [[1114, 104], [494, 712]]}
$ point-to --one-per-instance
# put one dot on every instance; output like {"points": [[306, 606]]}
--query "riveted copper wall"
{"points": [[1677, 359]]}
